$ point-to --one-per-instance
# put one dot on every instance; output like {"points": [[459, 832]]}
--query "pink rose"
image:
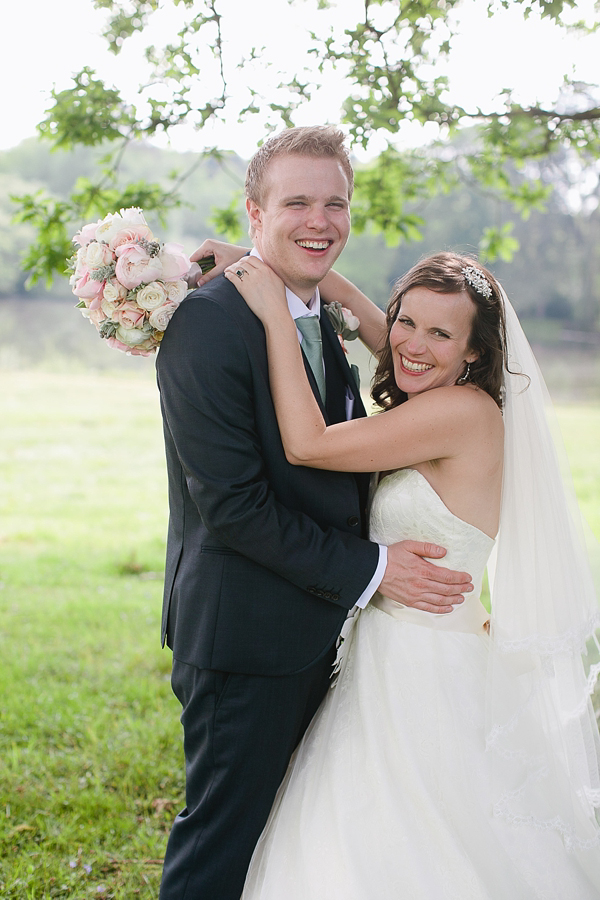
{"points": [[96, 316], [160, 318], [114, 223], [140, 351], [129, 315], [87, 234], [130, 235], [174, 262], [87, 288], [135, 266], [117, 345]]}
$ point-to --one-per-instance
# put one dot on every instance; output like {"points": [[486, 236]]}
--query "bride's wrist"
{"points": [[279, 323]]}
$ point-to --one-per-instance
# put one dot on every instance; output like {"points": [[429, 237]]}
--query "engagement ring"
{"points": [[240, 273]]}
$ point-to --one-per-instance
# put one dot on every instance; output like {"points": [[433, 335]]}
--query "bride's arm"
{"points": [[335, 287], [431, 426]]}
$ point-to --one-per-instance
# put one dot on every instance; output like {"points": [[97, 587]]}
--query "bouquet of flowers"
{"points": [[128, 283]]}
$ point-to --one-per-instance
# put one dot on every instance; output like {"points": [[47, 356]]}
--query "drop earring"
{"points": [[465, 376]]}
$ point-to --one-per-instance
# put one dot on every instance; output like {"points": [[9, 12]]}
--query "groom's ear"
{"points": [[254, 216]]}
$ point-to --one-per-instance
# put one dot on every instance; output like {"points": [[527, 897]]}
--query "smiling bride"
{"points": [[457, 755]]}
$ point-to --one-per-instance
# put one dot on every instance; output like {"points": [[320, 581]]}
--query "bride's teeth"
{"points": [[314, 245], [415, 367]]}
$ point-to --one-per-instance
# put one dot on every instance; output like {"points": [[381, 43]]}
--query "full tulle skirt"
{"points": [[388, 797]]}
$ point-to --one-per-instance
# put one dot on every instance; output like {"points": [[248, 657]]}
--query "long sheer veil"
{"points": [[540, 724]]}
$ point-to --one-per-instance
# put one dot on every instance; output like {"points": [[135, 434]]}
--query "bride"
{"points": [[457, 755]]}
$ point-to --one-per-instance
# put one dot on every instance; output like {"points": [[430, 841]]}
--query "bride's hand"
{"points": [[261, 288], [223, 255]]}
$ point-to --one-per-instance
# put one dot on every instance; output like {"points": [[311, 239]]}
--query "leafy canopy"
{"points": [[389, 58]]}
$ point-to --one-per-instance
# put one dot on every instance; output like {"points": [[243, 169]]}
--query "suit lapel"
{"points": [[338, 375], [314, 386]]}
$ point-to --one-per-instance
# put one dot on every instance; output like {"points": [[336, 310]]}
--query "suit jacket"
{"points": [[264, 559]]}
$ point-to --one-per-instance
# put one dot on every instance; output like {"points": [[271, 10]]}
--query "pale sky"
{"points": [[43, 41]]}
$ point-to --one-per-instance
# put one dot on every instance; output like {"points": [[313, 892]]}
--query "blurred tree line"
{"points": [[524, 156], [553, 275]]}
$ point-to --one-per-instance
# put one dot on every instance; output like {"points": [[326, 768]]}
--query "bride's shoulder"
{"points": [[467, 405]]}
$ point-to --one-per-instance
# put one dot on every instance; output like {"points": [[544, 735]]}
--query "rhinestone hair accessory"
{"points": [[478, 281]]}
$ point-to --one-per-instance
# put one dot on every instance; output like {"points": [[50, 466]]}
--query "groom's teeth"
{"points": [[314, 245], [415, 367]]}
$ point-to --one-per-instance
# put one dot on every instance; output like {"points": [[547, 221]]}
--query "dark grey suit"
{"points": [[264, 560]]}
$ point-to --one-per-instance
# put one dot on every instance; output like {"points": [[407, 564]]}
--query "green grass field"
{"points": [[90, 749], [90, 745]]}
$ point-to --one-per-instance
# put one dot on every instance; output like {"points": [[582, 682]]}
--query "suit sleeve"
{"points": [[207, 393]]}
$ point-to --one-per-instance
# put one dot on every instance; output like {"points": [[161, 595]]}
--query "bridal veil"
{"points": [[539, 716]]}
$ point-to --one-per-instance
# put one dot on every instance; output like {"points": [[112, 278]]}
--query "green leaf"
{"points": [[498, 243], [87, 114], [227, 221]]}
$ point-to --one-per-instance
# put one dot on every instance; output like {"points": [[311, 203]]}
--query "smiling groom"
{"points": [[264, 559]]}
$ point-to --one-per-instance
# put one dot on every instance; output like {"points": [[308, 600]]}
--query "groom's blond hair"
{"points": [[317, 141]]}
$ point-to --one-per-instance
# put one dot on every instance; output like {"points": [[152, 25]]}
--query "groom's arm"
{"points": [[205, 379]]}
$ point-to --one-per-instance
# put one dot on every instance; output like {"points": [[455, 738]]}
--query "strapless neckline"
{"points": [[405, 506], [436, 497]]}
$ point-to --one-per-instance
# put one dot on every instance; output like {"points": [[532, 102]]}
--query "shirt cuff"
{"points": [[375, 580]]}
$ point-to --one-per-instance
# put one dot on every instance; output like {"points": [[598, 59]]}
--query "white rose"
{"points": [[114, 291], [161, 317], [130, 336], [176, 291], [132, 216], [108, 306], [111, 293], [352, 322], [151, 296], [80, 263], [106, 226], [98, 255], [113, 223]]}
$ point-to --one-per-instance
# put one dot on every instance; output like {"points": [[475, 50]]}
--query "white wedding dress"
{"points": [[389, 796]]}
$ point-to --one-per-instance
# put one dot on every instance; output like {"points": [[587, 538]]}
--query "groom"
{"points": [[264, 559]]}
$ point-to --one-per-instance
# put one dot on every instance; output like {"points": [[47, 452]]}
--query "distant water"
{"points": [[53, 335]]}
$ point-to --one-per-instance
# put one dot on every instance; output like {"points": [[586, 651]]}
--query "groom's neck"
{"points": [[302, 287]]}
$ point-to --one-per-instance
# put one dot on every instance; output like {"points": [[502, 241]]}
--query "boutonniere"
{"points": [[344, 323]]}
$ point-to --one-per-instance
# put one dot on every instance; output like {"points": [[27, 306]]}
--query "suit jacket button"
{"points": [[353, 521], [335, 596]]}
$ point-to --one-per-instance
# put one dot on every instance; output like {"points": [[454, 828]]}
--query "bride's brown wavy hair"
{"points": [[444, 273]]}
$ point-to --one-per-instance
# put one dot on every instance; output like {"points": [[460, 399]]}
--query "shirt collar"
{"points": [[296, 306]]}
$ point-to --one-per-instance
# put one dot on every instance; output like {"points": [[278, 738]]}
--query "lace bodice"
{"points": [[406, 507]]}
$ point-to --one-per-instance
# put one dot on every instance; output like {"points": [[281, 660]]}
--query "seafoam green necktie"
{"points": [[312, 346]]}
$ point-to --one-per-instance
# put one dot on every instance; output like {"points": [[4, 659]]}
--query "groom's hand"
{"points": [[414, 581], [223, 255]]}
